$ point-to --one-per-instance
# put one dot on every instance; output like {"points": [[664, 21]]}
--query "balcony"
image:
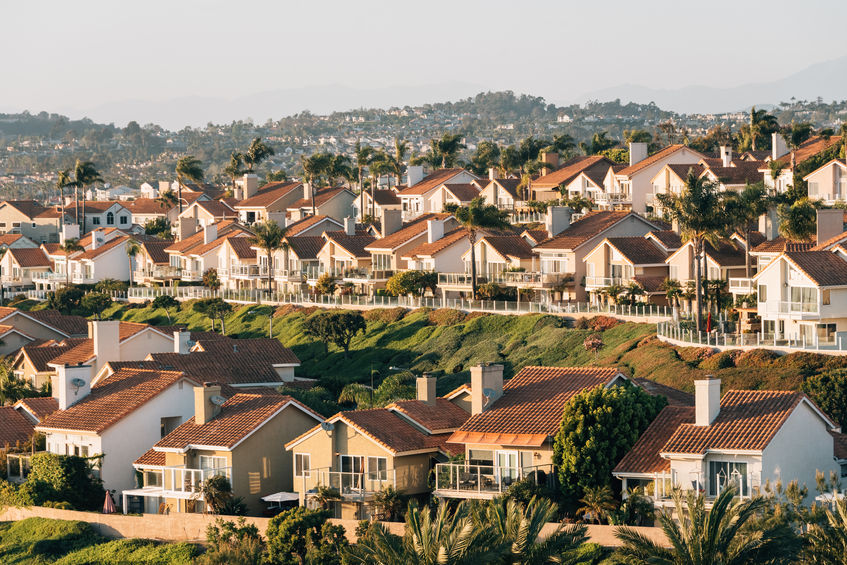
{"points": [[245, 272], [507, 278], [190, 275], [603, 282], [459, 480], [351, 486], [612, 198], [792, 310], [527, 217], [741, 285], [156, 272], [367, 275], [180, 483], [285, 275]]}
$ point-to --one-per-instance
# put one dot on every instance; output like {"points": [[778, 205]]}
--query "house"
{"points": [[298, 262], [828, 182], [31, 219], [268, 202], [579, 176], [202, 213], [361, 452], [198, 252], [20, 266], [509, 435], [441, 252], [32, 361], [503, 192], [241, 264], [501, 258], [745, 438], [100, 214], [561, 256], [312, 226], [344, 251], [415, 199], [145, 210], [724, 259], [388, 252], [16, 241], [44, 325], [382, 200], [152, 263], [337, 203], [786, 161], [119, 417], [619, 261], [633, 184], [60, 260], [239, 436], [100, 261], [457, 194]]}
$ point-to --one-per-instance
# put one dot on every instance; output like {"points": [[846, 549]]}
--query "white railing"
{"points": [[527, 217], [501, 277], [740, 285], [674, 333], [460, 479], [354, 275], [595, 282], [348, 484], [612, 197], [187, 480], [788, 307]]}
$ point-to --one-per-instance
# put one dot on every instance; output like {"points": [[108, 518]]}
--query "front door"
{"points": [[506, 463]]}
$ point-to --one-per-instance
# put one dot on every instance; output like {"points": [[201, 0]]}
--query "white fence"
{"points": [[674, 333]]}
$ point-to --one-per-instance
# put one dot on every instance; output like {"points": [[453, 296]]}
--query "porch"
{"points": [[460, 480]]}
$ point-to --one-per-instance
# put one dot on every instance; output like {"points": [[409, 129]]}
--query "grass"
{"points": [[37, 541]]}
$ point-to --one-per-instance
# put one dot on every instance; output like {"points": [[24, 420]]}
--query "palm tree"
{"points": [[673, 291], [268, 236], [339, 167], [477, 215], [597, 502], [314, 167], [448, 148], [760, 122], [632, 291], [798, 221], [706, 537], [700, 215], [132, 249], [510, 160], [826, 544], [794, 136], [362, 155], [401, 148], [69, 247], [168, 199], [380, 165], [85, 174], [743, 209], [637, 136], [62, 182], [613, 292], [518, 528], [775, 170], [256, 153], [190, 168], [444, 536], [564, 144], [235, 167]]}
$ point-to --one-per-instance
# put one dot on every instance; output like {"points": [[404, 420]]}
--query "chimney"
{"points": [[182, 342], [726, 155], [486, 386], [106, 337], [492, 173], [210, 233], [250, 185], [204, 408], [164, 186], [186, 227], [70, 384], [391, 221], [637, 152], [552, 159], [68, 231], [830, 223], [307, 191], [558, 219], [434, 230], [778, 146], [769, 224], [414, 174], [426, 389], [350, 225], [95, 233], [707, 400]]}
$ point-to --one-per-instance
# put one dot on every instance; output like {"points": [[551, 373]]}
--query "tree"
{"points": [[798, 221], [165, 302], [232, 543], [401, 148], [397, 386], [215, 491], [210, 279], [187, 168], [829, 390], [478, 215], [637, 136], [12, 387], [235, 167], [563, 143], [70, 247], [339, 167], [599, 427], [593, 343], [826, 543], [743, 209], [362, 154], [62, 478], [718, 535], [96, 302], [380, 165], [761, 124], [213, 308], [632, 291], [132, 249], [673, 291], [388, 503], [66, 299], [302, 536], [256, 153], [337, 327], [597, 503], [404, 283], [599, 142], [794, 136], [168, 200], [314, 167], [448, 148], [85, 175], [269, 236], [775, 169], [159, 227], [701, 217], [510, 160], [63, 181], [486, 156], [325, 284]]}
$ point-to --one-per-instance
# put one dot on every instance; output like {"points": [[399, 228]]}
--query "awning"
{"points": [[281, 497]]}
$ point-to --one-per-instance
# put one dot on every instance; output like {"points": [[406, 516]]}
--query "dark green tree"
{"points": [[301, 536], [743, 209], [66, 299], [256, 153], [95, 303], [336, 327], [214, 309], [166, 302], [798, 221], [829, 391], [62, 478], [187, 168]]}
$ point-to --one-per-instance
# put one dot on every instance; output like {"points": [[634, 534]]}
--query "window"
{"points": [[302, 464], [110, 218], [95, 220], [480, 457], [33, 224], [673, 272], [16, 224], [81, 450], [351, 463], [213, 463], [804, 295], [152, 478], [825, 297], [167, 425], [377, 468], [814, 188], [124, 220], [763, 293], [724, 473]]}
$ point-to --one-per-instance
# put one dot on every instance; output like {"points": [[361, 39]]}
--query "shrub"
{"points": [[233, 543], [802, 362], [325, 284], [61, 478], [385, 315], [446, 317], [41, 540], [597, 323], [719, 361], [17, 299], [756, 358], [210, 279], [111, 285], [119, 552], [695, 354], [95, 303], [65, 300], [829, 391], [301, 535]]}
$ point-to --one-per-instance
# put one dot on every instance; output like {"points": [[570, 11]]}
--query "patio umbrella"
{"points": [[109, 504], [709, 323]]}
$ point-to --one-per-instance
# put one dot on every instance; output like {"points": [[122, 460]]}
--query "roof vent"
{"points": [[217, 400]]}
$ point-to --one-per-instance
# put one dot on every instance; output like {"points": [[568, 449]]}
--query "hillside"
{"points": [[449, 342]]}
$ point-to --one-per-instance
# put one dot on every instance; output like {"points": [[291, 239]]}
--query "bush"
{"points": [[233, 543], [597, 323], [65, 300], [446, 317], [756, 358], [40, 540], [95, 303], [723, 360], [111, 285], [385, 315], [61, 478], [695, 354], [301, 535], [325, 284], [122, 551]]}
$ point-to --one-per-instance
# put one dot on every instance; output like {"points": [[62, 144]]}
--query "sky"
{"points": [[74, 56]]}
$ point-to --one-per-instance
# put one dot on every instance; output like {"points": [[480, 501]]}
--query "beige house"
{"points": [[457, 194], [789, 160], [344, 251], [28, 217], [388, 252], [619, 261], [236, 435], [21, 266], [582, 175], [633, 183], [383, 199], [441, 254], [202, 213], [829, 182], [416, 198], [361, 452], [268, 202], [199, 252], [337, 203], [502, 192]]}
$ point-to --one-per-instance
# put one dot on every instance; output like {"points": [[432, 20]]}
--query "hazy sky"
{"points": [[60, 55]]}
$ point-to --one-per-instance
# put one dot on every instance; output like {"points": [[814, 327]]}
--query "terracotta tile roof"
{"points": [[269, 193], [829, 243], [669, 238], [443, 417], [52, 249], [29, 257], [322, 196], [29, 208], [530, 410], [758, 155], [655, 158], [195, 240], [780, 244], [744, 172], [509, 246], [675, 396], [39, 357], [509, 185], [15, 428], [747, 421], [95, 206], [537, 236], [242, 247], [650, 284], [725, 253], [354, 244], [239, 416], [302, 225], [111, 400], [411, 230], [51, 212], [638, 250], [823, 267], [587, 227], [146, 206], [151, 458], [644, 456], [156, 251], [840, 444], [809, 148], [386, 197], [7, 239], [306, 247], [682, 170], [393, 432], [465, 192], [569, 170], [66, 324], [439, 245], [268, 350], [217, 209], [431, 181], [92, 254], [40, 407]]}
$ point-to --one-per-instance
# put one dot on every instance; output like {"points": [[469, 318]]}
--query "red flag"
{"points": [[709, 323]]}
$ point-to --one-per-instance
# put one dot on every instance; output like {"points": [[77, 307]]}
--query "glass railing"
{"points": [[346, 483], [183, 479], [595, 282], [458, 479]]}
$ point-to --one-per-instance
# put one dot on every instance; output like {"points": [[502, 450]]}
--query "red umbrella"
{"points": [[109, 504], [709, 323]]}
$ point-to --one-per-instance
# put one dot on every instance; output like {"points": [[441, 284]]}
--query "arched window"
{"points": [[110, 219]]}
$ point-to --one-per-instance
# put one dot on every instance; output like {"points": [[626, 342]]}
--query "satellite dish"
{"points": [[77, 382], [218, 400], [327, 426], [488, 393]]}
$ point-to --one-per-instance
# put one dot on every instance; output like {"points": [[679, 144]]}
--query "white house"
{"points": [[828, 182], [102, 260], [633, 183], [415, 199]]}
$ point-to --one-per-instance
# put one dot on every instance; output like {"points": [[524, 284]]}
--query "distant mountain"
{"points": [[197, 111], [827, 80]]}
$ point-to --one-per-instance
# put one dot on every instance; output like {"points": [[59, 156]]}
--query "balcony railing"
{"points": [[788, 307], [459, 480], [740, 285], [188, 480], [600, 282], [286, 275], [503, 277], [612, 197], [674, 333], [348, 484], [190, 275], [359, 275], [157, 272]]}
